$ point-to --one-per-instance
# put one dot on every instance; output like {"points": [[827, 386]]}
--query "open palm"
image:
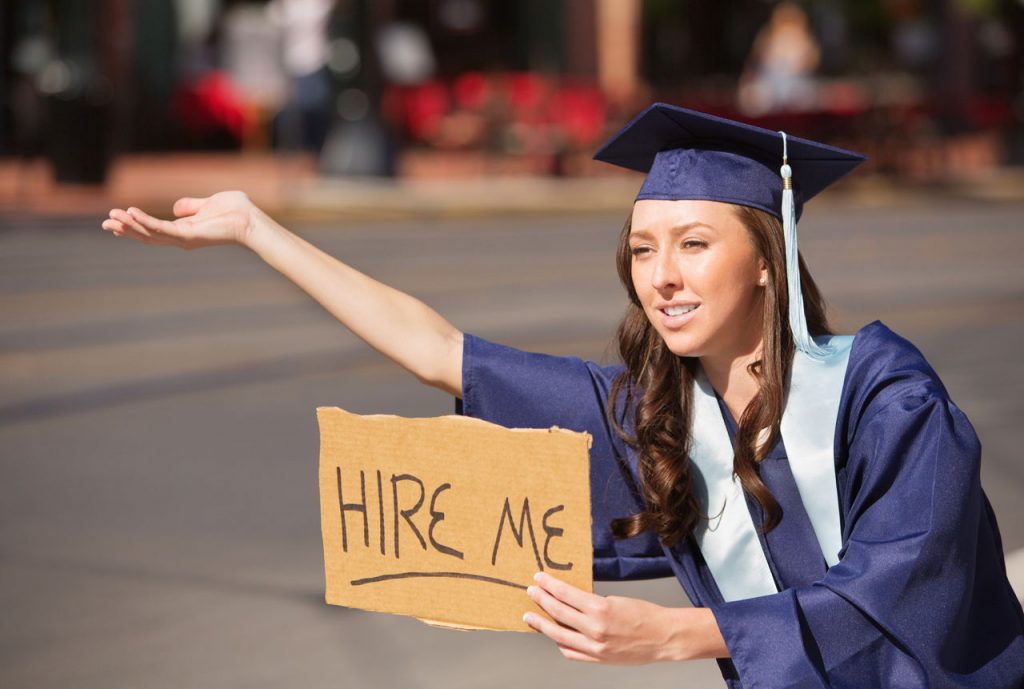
{"points": [[223, 218]]}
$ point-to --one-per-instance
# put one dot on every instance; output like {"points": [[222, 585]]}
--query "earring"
{"points": [[763, 281]]}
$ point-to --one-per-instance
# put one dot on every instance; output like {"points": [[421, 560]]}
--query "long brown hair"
{"points": [[657, 387]]}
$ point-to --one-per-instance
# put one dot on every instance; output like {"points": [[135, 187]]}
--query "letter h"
{"points": [[353, 507]]}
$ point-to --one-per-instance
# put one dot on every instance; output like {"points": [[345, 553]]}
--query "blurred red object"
{"points": [[471, 90], [580, 114], [526, 93], [480, 107], [417, 110], [989, 112], [211, 105]]}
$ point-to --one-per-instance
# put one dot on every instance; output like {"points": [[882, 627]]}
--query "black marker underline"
{"points": [[451, 575]]}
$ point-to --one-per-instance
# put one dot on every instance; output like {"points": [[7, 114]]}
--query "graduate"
{"points": [[817, 496]]}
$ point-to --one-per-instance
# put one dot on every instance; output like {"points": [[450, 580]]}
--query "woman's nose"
{"points": [[666, 274]]}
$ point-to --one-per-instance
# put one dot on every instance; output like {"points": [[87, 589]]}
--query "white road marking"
{"points": [[1015, 572]]}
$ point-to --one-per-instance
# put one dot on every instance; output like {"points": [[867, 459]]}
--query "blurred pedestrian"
{"points": [[779, 72], [306, 117]]}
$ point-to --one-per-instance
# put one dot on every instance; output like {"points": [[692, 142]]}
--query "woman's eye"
{"points": [[694, 244], [640, 250]]}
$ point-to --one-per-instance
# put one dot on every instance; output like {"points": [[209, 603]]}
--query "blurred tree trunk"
{"points": [[79, 94], [956, 68]]}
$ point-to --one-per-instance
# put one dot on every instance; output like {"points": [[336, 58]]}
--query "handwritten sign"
{"points": [[447, 519]]}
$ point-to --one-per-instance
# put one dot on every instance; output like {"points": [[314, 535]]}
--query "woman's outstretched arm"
{"points": [[395, 324]]}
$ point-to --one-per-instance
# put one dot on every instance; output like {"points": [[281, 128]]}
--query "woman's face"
{"points": [[697, 276]]}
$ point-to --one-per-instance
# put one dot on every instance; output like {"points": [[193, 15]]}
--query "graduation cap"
{"points": [[693, 155]]}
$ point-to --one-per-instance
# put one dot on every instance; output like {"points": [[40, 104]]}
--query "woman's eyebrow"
{"points": [[691, 225], [678, 229]]}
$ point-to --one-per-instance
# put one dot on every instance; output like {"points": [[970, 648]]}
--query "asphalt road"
{"points": [[159, 521]]}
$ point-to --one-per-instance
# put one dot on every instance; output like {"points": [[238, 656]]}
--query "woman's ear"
{"points": [[763, 269]]}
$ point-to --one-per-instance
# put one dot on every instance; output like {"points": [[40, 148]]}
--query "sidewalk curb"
{"points": [[291, 190], [390, 200]]}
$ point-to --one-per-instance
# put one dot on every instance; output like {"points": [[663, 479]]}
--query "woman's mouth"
{"points": [[677, 315]]}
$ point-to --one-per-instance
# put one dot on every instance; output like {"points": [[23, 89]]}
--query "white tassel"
{"points": [[797, 318]]}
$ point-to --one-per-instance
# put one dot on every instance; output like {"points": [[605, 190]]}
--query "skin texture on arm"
{"points": [[623, 631], [397, 325]]}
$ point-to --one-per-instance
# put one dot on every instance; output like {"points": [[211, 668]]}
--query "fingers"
{"points": [[564, 637], [187, 206], [587, 603], [572, 625], [151, 224], [136, 224], [579, 656], [121, 224], [559, 611]]}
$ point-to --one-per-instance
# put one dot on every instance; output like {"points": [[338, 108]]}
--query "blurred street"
{"points": [[159, 520]]}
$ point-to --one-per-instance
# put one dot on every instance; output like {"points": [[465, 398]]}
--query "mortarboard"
{"points": [[692, 155]]}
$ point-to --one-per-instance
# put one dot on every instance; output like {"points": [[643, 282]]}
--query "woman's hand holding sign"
{"points": [[622, 631]]}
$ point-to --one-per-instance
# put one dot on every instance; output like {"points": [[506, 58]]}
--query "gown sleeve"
{"points": [[919, 597], [519, 389]]}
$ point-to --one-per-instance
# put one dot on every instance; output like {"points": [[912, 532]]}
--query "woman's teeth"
{"points": [[679, 310]]}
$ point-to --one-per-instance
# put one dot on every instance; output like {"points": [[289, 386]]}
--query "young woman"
{"points": [[817, 496]]}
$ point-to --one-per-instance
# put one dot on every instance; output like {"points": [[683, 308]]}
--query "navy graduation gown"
{"points": [[919, 597]]}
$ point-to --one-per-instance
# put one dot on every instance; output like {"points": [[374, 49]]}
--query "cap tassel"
{"points": [[797, 318]]}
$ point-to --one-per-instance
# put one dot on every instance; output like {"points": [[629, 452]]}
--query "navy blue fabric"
{"points": [[920, 596], [712, 175], [692, 155]]}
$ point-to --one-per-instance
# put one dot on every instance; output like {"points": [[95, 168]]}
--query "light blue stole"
{"points": [[727, 538]]}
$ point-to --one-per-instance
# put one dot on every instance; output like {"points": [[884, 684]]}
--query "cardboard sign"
{"points": [[448, 519]]}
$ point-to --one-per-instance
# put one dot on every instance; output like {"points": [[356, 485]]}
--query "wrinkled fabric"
{"points": [[919, 597]]}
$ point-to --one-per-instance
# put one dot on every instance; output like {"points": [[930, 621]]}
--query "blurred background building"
{"points": [[428, 88]]}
